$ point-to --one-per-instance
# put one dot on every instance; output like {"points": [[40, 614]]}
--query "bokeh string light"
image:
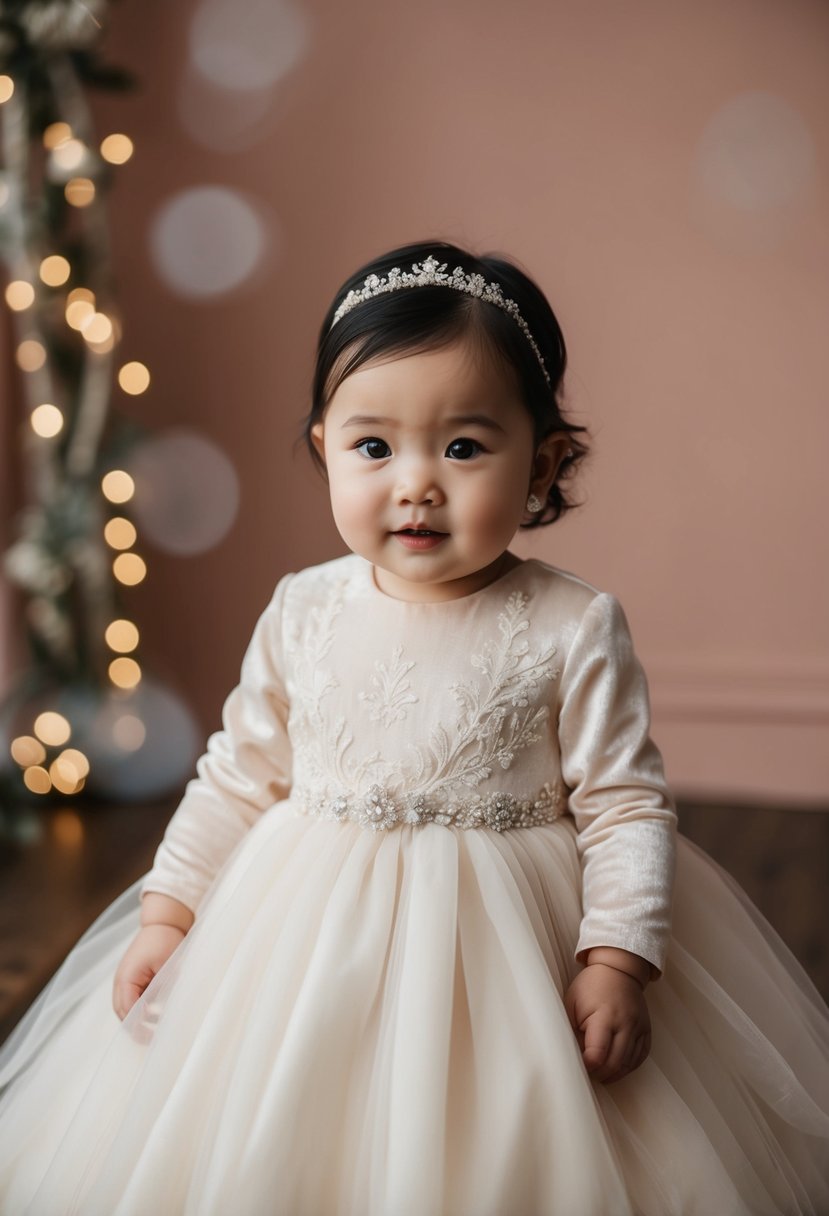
{"points": [[46, 420], [45, 762], [56, 133], [117, 149], [20, 295], [134, 378], [75, 549], [30, 355], [79, 191], [54, 270]]}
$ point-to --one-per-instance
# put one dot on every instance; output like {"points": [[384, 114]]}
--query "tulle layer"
{"points": [[371, 1024]]}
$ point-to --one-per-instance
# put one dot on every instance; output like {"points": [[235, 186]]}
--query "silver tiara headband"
{"points": [[433, 274]]}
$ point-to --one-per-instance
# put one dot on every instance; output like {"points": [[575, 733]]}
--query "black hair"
{"points": [[428, 318]]}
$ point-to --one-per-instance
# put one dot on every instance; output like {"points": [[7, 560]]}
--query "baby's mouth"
{"points": [[420, 539]]}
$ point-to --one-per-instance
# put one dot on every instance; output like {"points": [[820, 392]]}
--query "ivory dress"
{"points": [[414, 821]]}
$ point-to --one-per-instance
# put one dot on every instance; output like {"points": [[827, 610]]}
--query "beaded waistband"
{"points": [[379, 808]]}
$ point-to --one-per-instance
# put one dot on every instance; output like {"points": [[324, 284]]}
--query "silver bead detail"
{"points": [[534, 504], [380, 809]]}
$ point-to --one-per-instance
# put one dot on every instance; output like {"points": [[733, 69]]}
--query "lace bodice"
{"points": [[451, 736], [507, 709]]}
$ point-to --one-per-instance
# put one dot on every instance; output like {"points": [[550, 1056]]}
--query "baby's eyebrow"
{"points": [[483, 420], [456, 420], [367, 420]]}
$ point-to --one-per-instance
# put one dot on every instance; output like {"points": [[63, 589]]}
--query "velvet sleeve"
{"points": [[623, 810], [245, 769]]}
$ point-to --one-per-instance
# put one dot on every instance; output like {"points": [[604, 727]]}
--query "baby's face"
{"points": [[437, 441]]}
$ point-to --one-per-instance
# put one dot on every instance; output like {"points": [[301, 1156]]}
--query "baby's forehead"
{"points": [[447, 379], [473, 345]]}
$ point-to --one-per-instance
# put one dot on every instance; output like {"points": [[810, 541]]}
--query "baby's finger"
{"points": [[614, 1066], [597, 1042], [634, 1056], [643, 1050], [142, 1021], [125, 994]]}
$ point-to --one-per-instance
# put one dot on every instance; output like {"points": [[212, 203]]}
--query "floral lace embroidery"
{"points": [[320, 741], [491, 728], [496, 720], [392, 691]]}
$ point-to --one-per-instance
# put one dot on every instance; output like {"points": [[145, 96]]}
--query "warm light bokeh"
{"points": [[120, 533], [122, 636], [124, 673], [46, 420], [78, 313], [117, 148], [117, 486], [54, 270], [134, 378], [97, 328], [69, 153], [19, 295], [30, 355], [52, 728], [37, 780], [79, 191], [76, 758], [65, 776], [56, 133], [129, 569], [26, 750]]}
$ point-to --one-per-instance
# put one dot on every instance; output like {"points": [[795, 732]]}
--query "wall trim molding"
{"points": [[706, 687]]}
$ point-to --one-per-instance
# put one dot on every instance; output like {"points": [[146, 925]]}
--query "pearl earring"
{"points": [[534, 504]]}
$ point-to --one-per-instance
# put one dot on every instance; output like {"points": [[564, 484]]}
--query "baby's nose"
{"points": [[418, 483]]}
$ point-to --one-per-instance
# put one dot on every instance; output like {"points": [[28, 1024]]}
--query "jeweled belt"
{"points": [[380, 808]]}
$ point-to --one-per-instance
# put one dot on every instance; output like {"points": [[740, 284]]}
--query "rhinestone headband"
{"points": [[433, 274]]}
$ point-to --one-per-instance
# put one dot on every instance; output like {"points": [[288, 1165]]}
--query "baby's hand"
{"points": [[145, 957], [608, 1011]]}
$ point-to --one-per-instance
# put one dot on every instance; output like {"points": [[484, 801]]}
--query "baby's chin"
{"points": [[416, 582]]}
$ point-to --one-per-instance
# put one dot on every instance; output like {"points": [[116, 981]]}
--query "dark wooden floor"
{"points": [[781, 859], [52, 889]]}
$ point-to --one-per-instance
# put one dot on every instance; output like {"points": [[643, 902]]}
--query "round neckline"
{"points": [[368, 569]]}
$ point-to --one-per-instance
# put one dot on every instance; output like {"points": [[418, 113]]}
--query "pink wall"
{"points": [[688, 265]]}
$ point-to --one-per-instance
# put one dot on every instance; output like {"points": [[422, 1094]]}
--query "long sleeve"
{"points": [[245, 769], [623, 810]]}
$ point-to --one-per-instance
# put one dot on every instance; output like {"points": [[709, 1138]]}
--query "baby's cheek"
{"points": [[352, 506], [498, 511]]}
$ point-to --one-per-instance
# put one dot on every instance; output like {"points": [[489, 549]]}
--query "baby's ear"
{"points": [[549, 455], [317, 438]]}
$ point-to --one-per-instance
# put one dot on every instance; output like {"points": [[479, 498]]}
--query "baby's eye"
{"points": [[374, 449], [463, 449]]}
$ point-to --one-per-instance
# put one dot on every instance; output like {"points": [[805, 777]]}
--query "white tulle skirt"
{"points": [[371, 1024]]}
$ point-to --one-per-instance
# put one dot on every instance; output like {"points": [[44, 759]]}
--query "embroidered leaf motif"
{"points": [[497, 712], [480, 740], [317, 741], [392, 691]]}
